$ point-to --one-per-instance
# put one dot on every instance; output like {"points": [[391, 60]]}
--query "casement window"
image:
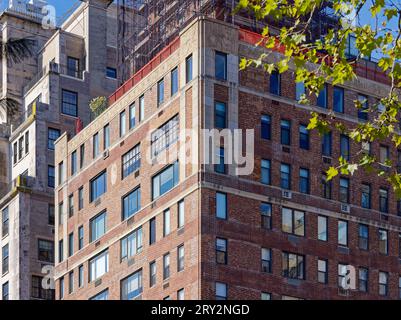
{"points": [[338, 99], [220, 66], [98, 266], [131, 203], [293, 265], [131, 244], [131, 161], [98, 186], [165, 136], [97, 226], [45, 250], [293, 221], [266, 215], [69, 103], [164, 181], [221, 251], [132, 286], [322, 228], [266, 260], [363, 236]]}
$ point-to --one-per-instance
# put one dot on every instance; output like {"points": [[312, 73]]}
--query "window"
{"points": [[71, 282], [322, 97], [152, 231], [181, 294], [132, 113], [70, 205], [50, 213], [5, 259], [60, 250], [303, 137], [188, 69], [106, 136], [365, 199], [5, 291], [174, 81], [344, 190], [122, 124], [342, 233], [220, 115], [152, 274], [338, 99], [165, 180], [326, 187], [221, 66], [81, 155], [293, 266], [384, 155], [50, 176], [73, 162], [293, 221], [383, 241], [221, 205], [166, 222], [322, 227], [26, 142], [275, 80], [98, 266], [265, 296], [166, 266], [363, 233], [265, 172], [95, 145], [221, 291], [102, 296], [131, 244], [131, 287], [285, 176], [111, 73], [363, 111], [141, 108], [45, 250], [326, 144], [266, 257], [342, 272], [131, 161], [344, 147], [299, 90], [73, 67], [5, 222], [20, 148], [37, 290], [97, 226], [69, 103], [383, 200], [98, 186], [61, 213], [303, 180], [265, 127], [70, 244], [180, 258], [285, 132], [80, 198], [61, 288], [383, 283], [131, 203], [322, 271], [160, 92], [363, 279], [15, 152], [221, 251], [181, 214], [220, 166], [165, 136], [61, 172], [80, 237], [266, 214]]}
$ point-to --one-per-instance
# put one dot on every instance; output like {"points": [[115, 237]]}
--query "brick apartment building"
{"points": [[72, 64], [129, 226]]}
